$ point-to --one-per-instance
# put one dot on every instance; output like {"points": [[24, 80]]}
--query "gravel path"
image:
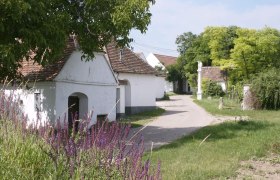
{"points": [[182, 117]]}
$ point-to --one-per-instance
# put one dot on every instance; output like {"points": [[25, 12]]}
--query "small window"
{"points": [[37, 101]]}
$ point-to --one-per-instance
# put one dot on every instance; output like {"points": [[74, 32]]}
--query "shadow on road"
{"points": [[170, 112], [226, 130]]}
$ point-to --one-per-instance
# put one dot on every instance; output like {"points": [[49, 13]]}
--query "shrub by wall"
{"points": [[211, 88], [266, 87]]}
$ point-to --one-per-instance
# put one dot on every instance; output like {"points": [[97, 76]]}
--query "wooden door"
{"points": [[73, 112]]}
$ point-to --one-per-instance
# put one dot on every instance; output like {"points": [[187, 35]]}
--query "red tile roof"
{"points": [[129, 62], [212, 73], [166, 60], [32, 71]]}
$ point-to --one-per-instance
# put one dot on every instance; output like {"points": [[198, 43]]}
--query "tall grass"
{"points": [[44, 151]]}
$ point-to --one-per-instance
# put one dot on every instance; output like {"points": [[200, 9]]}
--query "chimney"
{"points": [[121, 54]]}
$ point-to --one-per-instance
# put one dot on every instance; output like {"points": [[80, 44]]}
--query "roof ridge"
{"points": [[165, 55], [130, 62], [33, 71]]}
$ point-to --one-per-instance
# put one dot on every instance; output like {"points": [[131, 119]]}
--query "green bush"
{"points": [[165, 97], [236, 91], [266, 86], [211, 88]]}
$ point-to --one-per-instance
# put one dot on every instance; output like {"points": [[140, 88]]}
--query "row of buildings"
{"points": [[116, 82]]}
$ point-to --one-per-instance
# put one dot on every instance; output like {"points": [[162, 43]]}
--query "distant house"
{"points": [[141, 55], [67, 88], [160, 60], [215, 74], [136, 90], [163, 61]]}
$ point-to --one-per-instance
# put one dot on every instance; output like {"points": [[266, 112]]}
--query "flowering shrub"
{"points": [[100, 152]]}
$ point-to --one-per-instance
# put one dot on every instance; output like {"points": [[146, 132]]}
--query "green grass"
{"points": [[140, 119], [21, 158], [233, 108], [171, 93], [228, 143]]}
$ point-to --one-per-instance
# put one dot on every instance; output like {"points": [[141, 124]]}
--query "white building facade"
{"points": [[137, 81], [163, 86], [69, 89]]}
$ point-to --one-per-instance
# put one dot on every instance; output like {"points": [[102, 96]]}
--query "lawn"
{"points": [[233, 108], [140, 119], [218, 156]]}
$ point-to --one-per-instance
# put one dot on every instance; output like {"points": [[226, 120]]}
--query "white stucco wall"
{"points": [[94, 71], [47, 95], [160, 86], [101, 99], [94, 79], [143, 88], [163, 86], [168, 86], [153, 61]]}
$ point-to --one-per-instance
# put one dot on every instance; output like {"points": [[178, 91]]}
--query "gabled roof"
{"points": [[166, 60], [212, 73], [128, 62], [141, 55], [32, 71]]}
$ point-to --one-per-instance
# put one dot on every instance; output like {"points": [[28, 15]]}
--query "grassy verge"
{"points": [[140, 119], [233, 108], [171, 93], [218, 156]]}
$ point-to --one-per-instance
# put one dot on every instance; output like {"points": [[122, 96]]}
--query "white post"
{"points": [[199, 91], [247, 98]]}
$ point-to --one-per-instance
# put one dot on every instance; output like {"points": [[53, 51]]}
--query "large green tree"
{"points": [[43, 26], [255, 51], [220, 43], [240, 52], [192, 48]]}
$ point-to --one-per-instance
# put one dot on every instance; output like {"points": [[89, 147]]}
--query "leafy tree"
{"points": [[185, 41], [192, 48], [220, 42], [44, 26], [176, 73], [173, 73], [239, 52], [160, 70], [255, 51]]}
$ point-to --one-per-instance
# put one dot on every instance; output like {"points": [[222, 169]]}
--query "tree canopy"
{"points": [[192, 48], [44, 26], [241, 52]]}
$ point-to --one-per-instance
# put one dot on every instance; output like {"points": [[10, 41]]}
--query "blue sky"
{"points": [[174, 17]]}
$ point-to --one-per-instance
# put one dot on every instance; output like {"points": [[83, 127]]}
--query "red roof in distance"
{"points": [[166, 60]]}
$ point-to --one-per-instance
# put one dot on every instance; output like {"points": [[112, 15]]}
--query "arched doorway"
{"points": [[77, 109]]}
